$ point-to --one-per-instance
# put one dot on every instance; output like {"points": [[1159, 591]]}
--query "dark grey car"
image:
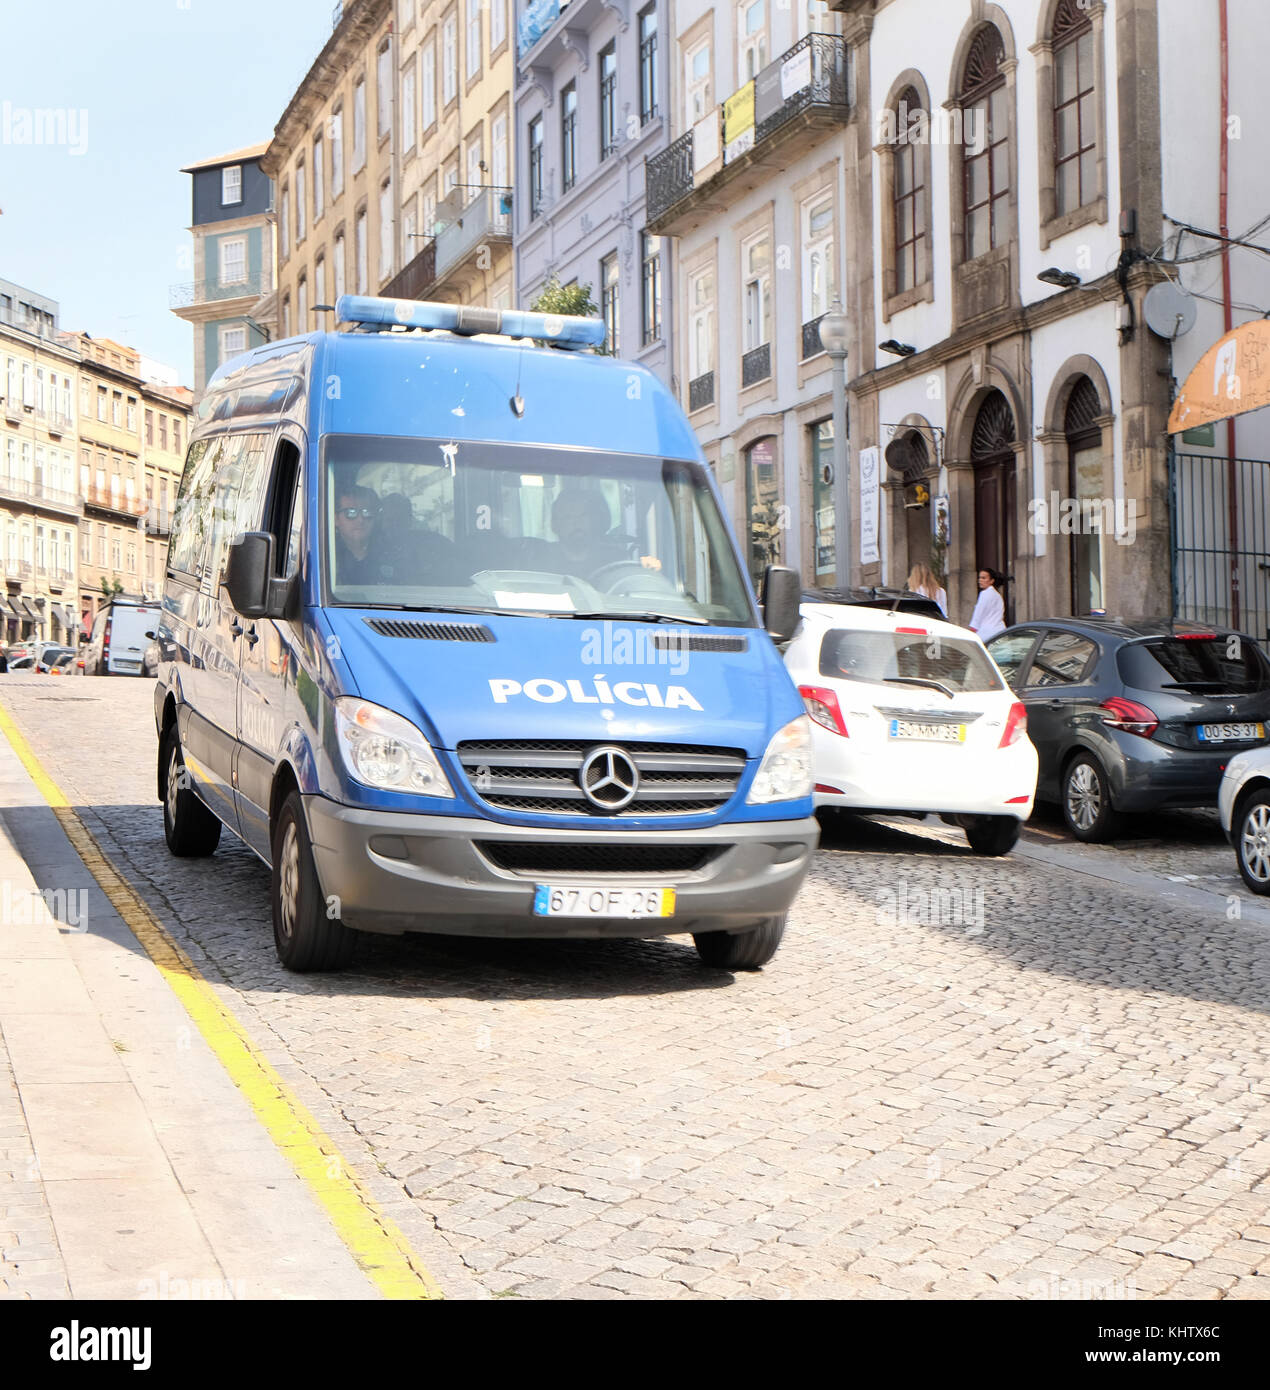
{"points": [[1133, 715]]}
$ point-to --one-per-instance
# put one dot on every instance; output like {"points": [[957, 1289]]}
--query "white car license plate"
{"points": [[568, 900], [931, 733], [1220, 733]]}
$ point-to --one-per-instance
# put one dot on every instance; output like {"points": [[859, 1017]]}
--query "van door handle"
{"points": [[236, 628], [252, 635]]}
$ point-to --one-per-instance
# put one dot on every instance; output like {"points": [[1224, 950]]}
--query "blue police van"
{"points": [[456, 639]]}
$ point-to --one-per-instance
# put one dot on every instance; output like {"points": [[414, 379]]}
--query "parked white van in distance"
{"points": [[119, 638]]}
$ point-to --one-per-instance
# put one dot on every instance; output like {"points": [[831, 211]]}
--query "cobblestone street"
{"points": [[1049, 1079]]}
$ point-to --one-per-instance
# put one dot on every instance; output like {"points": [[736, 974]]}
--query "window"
{"points": [[1062, 658], [751, 36], [986, 146], [408, 108], [449, 60], [756, 261], [1075, 124], [608, 101], [28, 387], [116, 408], [337, 153], [498, 139], [359, 251], [319, 281], [818, 256], [85, 546], [385, 230], [319, 190], [149, 426], [428, 89], [359, 124], [473, 37], [429, 210], [176, 444], [85, 389], [1087, 488], [233, 260], [231, 184], [647, 64], [284, 223], [610, 289], [700, 323], [651, 280], [569, 137], [535, 166], [116, 552], [910, 259], [474, 172], [814, 18], [696, 83], [299, 203], [286, 315], [163, 433], [497, 24], [301, 308], [339, 265], [132, 415], [383, 86]]}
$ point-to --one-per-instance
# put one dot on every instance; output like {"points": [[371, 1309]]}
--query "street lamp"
{"points": [[834, 327]]}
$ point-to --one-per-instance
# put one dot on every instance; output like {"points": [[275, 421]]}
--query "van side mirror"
{"points": [[782, 590], [253, 591]]}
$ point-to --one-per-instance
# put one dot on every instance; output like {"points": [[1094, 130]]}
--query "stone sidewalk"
{"points": [[131, 1167]]}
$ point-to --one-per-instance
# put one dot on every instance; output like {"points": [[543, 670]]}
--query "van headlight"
{"points": [[785, 772], [384, 750]]}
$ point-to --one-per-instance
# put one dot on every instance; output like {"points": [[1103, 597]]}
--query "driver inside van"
{"points": [[360, 556], [581, 522]]}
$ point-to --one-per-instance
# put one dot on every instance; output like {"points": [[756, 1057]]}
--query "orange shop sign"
{"points": [[1232, 377]]}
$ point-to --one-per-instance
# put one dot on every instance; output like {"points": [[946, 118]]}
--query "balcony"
{"points": [[795, 100], [59, 423], [486, 219], [208, 291], [109, 500], [38, 495], [756, 366], [811, 338], [417, 278], [17, 569], [701, 391], [158, 522]]}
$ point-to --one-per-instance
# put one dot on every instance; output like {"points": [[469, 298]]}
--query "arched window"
{"points": [[1085, 473], [911, 251], [985, 120], [992, 457], [1075, 121]]}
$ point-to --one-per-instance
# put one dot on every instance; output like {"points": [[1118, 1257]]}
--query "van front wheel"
{"points": [[305, 937], [191, 830], [742, 950]]}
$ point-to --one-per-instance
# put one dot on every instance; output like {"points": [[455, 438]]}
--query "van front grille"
{"points": [[542, 776], [535, 859]]}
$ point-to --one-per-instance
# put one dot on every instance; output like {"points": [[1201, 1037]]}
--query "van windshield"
{"points": [[488, 527]]}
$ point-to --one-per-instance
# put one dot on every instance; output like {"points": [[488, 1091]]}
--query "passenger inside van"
{"points": [[586, 544], [376, 543]]}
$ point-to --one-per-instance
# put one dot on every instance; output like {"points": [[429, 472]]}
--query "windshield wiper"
{"points": [[918, 680], [636, 616]]}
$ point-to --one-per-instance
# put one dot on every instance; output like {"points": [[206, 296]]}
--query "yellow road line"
{"points": [[375, 1242]]}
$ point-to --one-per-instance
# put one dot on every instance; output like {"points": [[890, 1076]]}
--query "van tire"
{"points": [[742, 950], [306, 939], [191, 830], [992, 834]]}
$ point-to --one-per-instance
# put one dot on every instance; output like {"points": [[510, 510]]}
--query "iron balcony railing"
{"points": [[487, 216], [756, 366], [210, 291], [812, 74], [701, 391], [59, 422], [29, 491], [158, 522], [416, 277], [811, 338], [115, 501], [13, 318]]}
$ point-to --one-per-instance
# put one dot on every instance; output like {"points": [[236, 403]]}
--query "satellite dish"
{"points": [[1169, 310]]}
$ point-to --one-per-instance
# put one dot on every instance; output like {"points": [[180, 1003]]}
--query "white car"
{"points": [[1243, 799], [910, 715]]}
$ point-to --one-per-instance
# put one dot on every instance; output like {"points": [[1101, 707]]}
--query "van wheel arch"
{"points": [[169, 718], [285, 782]]}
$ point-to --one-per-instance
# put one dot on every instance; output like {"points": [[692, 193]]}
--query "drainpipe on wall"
{"points": [[1232, 500]]}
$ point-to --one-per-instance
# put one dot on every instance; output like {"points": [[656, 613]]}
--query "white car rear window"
{"points": [[902, 657]]}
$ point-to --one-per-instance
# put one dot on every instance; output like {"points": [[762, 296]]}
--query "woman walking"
{"points": [[921, 580], [989, 616]]}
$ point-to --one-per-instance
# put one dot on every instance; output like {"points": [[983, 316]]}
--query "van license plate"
{"points": [[931, 733], [555, 900], [1220, 733]]}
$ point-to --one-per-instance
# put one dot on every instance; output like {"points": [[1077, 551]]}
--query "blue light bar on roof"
{"points": [[566, 330]]}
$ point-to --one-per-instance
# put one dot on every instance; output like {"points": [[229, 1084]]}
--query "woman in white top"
{"points": [[989, 616], [921, 580]]}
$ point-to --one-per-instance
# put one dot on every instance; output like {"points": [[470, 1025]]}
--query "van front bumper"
{"points": [[401, 873]]}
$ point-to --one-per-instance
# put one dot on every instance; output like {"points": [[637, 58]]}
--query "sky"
{"points": [[100, 222]]}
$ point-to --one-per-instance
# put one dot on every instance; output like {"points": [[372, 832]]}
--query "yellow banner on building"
{"points": [[738, 121], [1232, 377]]}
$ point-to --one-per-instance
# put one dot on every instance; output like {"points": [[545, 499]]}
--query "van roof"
{"points": [[439, 385]]}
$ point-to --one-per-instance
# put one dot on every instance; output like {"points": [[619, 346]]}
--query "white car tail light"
{"points": [[822, 704]]}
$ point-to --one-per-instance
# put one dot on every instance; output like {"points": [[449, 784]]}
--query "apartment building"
{"points": [[39, 502], [592, 104], [752, 193], [230, 302], [1037, 168], [166, 415], [452, 145]]}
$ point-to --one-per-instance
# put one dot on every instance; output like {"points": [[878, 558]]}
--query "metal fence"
{"points": [[1220, 540]]}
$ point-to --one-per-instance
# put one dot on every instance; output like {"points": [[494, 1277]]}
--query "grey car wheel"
{"points": [[1252, 844], [1087, 805]]}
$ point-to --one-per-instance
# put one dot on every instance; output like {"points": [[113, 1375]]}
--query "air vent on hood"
{"points": [[435, 632], [694, 642]]}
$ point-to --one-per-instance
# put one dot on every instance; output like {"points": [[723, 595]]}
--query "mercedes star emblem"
{"points": [[609, 778]]}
